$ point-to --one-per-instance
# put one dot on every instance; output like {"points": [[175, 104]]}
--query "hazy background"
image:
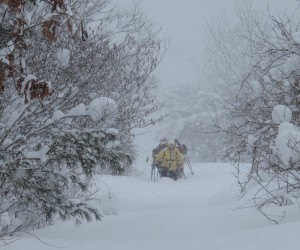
{"points": [[183, 24]]}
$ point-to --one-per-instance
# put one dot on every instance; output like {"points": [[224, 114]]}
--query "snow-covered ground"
{"points": [[197, 213]]}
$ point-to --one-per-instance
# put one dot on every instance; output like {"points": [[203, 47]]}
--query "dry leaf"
{"points": [[49, 29]]}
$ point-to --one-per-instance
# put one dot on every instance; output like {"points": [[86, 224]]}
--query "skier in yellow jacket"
{"points": [[171, 161]]}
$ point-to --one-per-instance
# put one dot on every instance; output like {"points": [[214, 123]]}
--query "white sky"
{"points": [[183, 22]]}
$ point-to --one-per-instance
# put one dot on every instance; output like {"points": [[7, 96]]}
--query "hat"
{"points": [[163, 140], [171, 143]]}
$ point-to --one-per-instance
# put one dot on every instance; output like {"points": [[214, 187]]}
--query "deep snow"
{"points": [[198, 213]]}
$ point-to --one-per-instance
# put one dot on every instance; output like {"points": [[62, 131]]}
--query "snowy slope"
{"points": [[198, 213]]}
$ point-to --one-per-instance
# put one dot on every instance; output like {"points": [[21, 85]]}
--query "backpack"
{"points": [[183, 149]]}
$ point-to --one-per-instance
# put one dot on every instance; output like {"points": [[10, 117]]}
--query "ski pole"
{"points": [[183, 173], [189, 164], [151, 173]]}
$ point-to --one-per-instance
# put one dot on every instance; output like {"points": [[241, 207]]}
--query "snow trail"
{"points": [[197, 213]]}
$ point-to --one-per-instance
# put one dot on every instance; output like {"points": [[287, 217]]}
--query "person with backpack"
{"points": [[183, 150], [171, 161], [155, 164], [162, 144], [182, 147]]}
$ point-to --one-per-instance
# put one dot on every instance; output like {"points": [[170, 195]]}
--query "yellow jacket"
{"points": [[170, 159]]}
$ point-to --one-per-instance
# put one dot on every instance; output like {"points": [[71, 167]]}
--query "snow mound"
{"points": [[281, 113], [78, 110], [103, 108], [256, 88], [63, 57], [287, 146], [296, 37]]}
